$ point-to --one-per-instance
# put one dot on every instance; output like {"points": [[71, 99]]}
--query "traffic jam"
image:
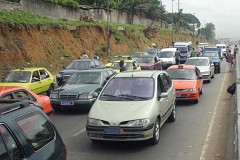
{"points": [[128, 99]]}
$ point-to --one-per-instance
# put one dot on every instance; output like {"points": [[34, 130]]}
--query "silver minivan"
{"points": [[132, 106]]}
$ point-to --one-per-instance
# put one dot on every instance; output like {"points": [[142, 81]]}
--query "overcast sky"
{"points": [[225, 15]]}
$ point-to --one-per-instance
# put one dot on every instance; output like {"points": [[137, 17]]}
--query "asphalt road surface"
{"points": [[199, 132]]}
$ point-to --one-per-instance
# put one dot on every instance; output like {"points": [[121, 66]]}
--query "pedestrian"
{"points": [[230, 59], [85, 56], [235, 51], [193, 53], [122, 67], [219, 51], [177, 56], [96, 56]]}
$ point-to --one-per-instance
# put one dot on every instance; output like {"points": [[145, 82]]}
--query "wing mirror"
{"points": [[94, 94]]}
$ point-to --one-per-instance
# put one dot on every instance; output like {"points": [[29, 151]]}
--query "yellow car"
{"points": [[116, 58], [130, 65], [38, 80]]}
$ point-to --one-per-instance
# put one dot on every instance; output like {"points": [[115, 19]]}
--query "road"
{"points": [[199, 132]]}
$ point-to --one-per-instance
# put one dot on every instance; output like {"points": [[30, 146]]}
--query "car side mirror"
{"points": [[164, 95], [34, 79], [94, 94]]}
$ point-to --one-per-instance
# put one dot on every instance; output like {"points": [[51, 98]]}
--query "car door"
{"points": [[162, 102], [46, 80], [199, 81], [36, 84]]}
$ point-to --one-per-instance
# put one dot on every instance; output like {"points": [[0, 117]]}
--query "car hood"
{"points": [[203, 68], [78, 89], [184, 84], [120, 110]]}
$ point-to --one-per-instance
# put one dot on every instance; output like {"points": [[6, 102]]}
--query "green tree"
{"points": [[209, 31]]}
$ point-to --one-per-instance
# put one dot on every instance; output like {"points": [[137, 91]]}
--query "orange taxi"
{"points": [[21, 93], [188, 82]]}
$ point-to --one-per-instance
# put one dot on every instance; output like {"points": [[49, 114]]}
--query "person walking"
{"points": [[193, 53], [177, 57], [230, 59], [85, 56], [96, 56], [235, 51], [122, 67]]}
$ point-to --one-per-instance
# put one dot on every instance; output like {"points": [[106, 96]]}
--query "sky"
{"points": [[225, 15]]}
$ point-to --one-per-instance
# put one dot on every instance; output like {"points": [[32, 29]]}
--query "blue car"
{"points": [[213, 55]]}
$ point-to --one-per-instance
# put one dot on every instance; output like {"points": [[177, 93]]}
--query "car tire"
{"points": [[50, 89], [156, 132], [172, 116]]}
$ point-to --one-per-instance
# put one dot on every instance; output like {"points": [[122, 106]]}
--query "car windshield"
{"points": [[197, 62], [130, 88], [145, 60], [127, 65], [152, 51], [182, 49], [166, 54], [84, 78], [138, 54], [210, 54], [210, 49], [118, 58], [185, 74], [78, 65], [18, 76]]}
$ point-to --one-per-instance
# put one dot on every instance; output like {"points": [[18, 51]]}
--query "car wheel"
{"points": [[50, 89], [197, 100], [156, 132], [172, 116]]}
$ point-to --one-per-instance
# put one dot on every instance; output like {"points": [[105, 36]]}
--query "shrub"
{"points": [[68, 3]]}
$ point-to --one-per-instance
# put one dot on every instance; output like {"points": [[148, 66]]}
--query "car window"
{"points": [[110, 72], [198, 73], [35, 76], [92, 64], [105, 75], [183, 74], [7, 96], [97, 63], [165, 82], [22, 95], [36, 128], [78, 65], [43, 74], [161, 88], [9, 142]]}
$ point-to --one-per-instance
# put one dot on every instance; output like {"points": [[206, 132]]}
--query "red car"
{"points": [[14, 92], [150, 63]]}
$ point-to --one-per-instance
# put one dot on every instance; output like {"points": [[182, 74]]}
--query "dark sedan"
{"points": [[81, 89], [150, 63], [76, 65]]}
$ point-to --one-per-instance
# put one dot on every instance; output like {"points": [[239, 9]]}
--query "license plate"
{"points": [[112, 130], [66, 103]]}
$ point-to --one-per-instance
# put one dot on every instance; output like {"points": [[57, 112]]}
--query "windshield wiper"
{"points": [[108, 95], [132, 97]]}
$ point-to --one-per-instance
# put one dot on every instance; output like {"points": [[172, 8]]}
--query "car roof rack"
{"points": [[7, 106]]}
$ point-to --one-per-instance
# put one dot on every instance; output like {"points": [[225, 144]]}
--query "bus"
{"points": [[185, 49]]}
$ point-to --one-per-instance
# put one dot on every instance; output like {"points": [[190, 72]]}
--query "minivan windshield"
{"points": [[166, 54], [128, 88]]}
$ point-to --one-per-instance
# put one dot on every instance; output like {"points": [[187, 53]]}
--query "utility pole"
{"points": [[172, 22], [161, 13], [108, 33]]}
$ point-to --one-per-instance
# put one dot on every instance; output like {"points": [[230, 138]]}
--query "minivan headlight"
{"points": [[85, 96], [138, 123], [59, 75]]}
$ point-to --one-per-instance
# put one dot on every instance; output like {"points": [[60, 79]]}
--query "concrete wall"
{"points": [[9, 5]]}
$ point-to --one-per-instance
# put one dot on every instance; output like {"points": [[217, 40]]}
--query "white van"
{"points": [[185, 49], [167, 55], [223, 48]]}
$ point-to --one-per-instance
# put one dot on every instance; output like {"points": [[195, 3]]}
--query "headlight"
{"points": [[54, 96], [189, 90], [59, 75], [206, 72], [85, 96], [95, 122], [138, 123]]}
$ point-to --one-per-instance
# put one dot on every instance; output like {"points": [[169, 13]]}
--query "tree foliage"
{"points": [[68, 3], [209, 31]]}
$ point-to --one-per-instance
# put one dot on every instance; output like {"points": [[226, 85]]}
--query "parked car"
{"points": [[213, 55], [38, 80], [27, 133], [76, 65], [150, 63], [130, 65], [81, 89], [21, 93], [205, 66], [136, 55], [132, 106], [167, 55], [117, 58], [188, 82]]}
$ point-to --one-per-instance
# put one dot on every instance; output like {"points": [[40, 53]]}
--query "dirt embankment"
{"points": [[54, 46]]}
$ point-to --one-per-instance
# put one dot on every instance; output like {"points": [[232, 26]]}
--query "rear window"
{"points": [[36, 128]]}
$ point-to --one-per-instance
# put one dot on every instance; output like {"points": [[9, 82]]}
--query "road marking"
{"points": [[79, 132], [212, 121]]}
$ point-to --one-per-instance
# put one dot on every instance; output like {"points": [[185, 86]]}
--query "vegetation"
{"points": [[16, 1], [209, 31], [68, 3]]}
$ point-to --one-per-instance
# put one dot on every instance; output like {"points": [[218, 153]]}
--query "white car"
{"points": [[205, 66], [167, 55]]}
